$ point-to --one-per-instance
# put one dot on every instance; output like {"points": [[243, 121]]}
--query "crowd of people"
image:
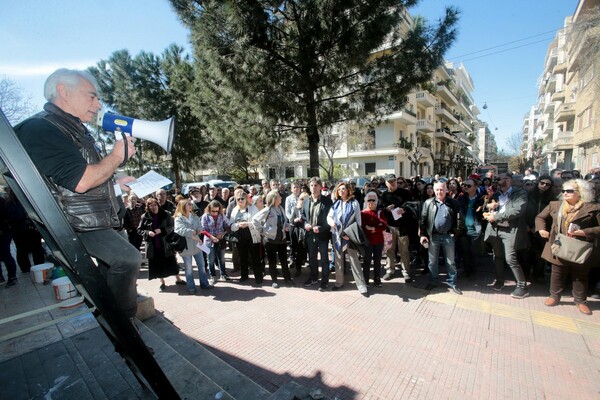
{"points": [[392, 225], [532, 223]]}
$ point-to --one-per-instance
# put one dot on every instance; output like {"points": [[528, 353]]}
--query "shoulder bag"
{"points": [[570, 249]]}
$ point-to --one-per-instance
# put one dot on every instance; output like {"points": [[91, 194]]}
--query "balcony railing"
{"points": [[566, 112], [443, 112], [564, 141], [425, 126], [425, 98]]}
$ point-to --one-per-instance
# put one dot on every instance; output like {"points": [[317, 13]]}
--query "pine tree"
{"points": [[308, 64]]}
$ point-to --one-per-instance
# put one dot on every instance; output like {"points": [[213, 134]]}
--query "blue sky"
{"points": [[37, 37]]}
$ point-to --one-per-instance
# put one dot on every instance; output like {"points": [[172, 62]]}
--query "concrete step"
{"points": [[195, 372], [81, 367]]}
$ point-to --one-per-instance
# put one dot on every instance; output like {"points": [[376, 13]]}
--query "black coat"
{"points": [[324, 228], [165, 224]]}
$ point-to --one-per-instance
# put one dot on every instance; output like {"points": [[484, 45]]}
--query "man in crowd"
{"points": [[441, 221], [318, 233], [392, 202], [163, 202], [471, 239], [64, 152], [507, 232], [290, 204]]}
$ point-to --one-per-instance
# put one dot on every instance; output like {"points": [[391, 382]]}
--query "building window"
{"points": [[370, 168], [584, 119], [401, 168], [290, 172], [272, 173]]}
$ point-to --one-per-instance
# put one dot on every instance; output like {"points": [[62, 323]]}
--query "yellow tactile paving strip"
{"points": [[559, 322]]}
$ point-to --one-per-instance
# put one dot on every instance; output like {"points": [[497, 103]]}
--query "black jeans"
{"points": [[28, 241], [119, 263], [6, 257], [373, 252], [275, 250]]}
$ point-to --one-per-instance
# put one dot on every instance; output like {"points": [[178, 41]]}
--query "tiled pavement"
{"points": [[401, 343]]}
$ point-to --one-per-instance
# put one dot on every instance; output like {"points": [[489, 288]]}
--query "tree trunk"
{"points": [[313, 136]]}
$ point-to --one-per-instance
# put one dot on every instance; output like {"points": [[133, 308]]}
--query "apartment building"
{"points": [[561, 130]]}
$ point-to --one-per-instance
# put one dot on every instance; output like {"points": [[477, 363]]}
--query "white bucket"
{"points": [[40, 272], [63, 288]]}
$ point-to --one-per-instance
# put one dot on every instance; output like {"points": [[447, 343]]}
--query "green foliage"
{"points": [[300, 66], [154, 88]]}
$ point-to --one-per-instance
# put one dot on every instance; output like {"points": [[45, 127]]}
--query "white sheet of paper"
{"points": [[396, 213], [203, 247], [148, 183]]}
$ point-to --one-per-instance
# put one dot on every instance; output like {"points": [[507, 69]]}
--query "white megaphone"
{"points": [[160, 132]]}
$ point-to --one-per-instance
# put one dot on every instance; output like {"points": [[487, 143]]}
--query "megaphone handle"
{"points": [[125, 151]]}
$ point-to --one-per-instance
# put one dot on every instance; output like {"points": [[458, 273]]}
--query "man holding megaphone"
{"points": [[64, 152]]}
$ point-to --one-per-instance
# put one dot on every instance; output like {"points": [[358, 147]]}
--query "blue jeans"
{"points": [[216, 255], [189, 271], [316, 247], [446, 242]]}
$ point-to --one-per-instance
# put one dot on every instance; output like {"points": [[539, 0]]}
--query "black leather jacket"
{"points": [[97, 208]]}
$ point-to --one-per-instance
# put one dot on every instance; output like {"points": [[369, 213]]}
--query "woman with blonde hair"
{"points": [[272, 225], [577, 216], [214, 225], [187, 224], [344, 212]]}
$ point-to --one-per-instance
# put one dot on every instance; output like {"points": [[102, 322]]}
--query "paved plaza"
{"points": [[401, 343]]}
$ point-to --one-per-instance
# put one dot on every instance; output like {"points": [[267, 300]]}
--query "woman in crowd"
{"points": [[214, 225], [272, 225], [299, 233], [258, 202], [454, 189], [131, 221], [155, 225], [248, 238], [576, 215], [418, 189], [24, 233], [429, 193], [373, 223], [344, 212], [187, 224], [537, 199]]}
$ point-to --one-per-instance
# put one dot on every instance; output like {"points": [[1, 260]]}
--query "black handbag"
{"points": [[176, 242]]}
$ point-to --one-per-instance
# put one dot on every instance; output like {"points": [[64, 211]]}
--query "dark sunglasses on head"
{"points": [[570, 191]]}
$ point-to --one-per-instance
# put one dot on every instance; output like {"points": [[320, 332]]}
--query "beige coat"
{"points": [[587, 217]]}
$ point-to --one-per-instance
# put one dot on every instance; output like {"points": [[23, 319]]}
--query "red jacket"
{"points": [[376, 219]]}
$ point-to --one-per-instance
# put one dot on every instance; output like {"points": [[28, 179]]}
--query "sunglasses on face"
{"points": [[570, 191], [566, 178], [371, 201], [466, 186], [214, 211], [241, 199]]}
